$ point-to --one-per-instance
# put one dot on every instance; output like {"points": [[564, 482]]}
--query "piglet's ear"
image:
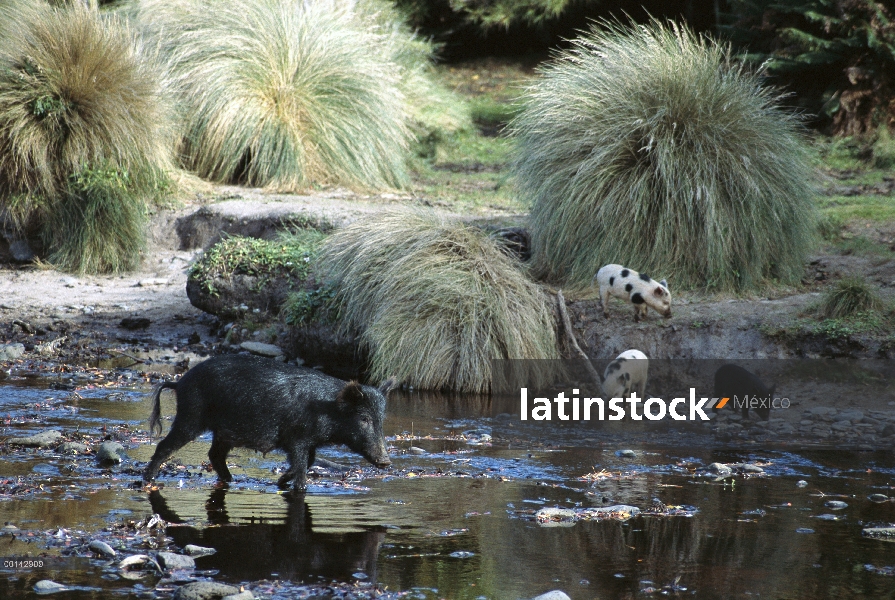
{"points": [[352, 393], [663, 283], [659, 292], [388, 385]]}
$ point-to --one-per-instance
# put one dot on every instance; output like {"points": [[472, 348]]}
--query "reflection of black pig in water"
{"points": [[262, 404], [293, 550]]}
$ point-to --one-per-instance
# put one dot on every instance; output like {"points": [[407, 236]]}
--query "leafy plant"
{"points": [[652, 147], [848, 297], [839, 55]]}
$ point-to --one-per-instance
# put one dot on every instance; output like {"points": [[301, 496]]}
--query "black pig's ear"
{"points": [[388, 386], [352, 393]]}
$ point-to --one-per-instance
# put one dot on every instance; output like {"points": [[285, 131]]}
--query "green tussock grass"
{"points": [[677, 158], [849, 297], [285, 94], [435, 300], [85, 133]]}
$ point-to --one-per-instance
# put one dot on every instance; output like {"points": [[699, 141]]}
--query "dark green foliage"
{"points": [[849, 297], [652, 148], [838, 55]]}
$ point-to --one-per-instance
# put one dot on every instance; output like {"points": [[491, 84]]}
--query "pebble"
{"points": [[801, 483], [73, 448], [47, 586], [194, 550], [878, 498], [261, 349], [205, 590], [415, 450], [885, 532], [152, 281], [102, 548], [44, 439], [243, 595], [109, 452], [11, 351], [626, 453], [553, 595], [170, 560], [720, 470]]}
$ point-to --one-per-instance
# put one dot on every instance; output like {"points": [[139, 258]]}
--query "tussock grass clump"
{"points": [[849, 297], [435, 300], [651, 147], [84, 133], [283, 94]]}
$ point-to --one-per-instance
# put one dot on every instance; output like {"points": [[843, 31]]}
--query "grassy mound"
{"points": [[283, 94], [435, 300], [848, 297], [650, 147], [84, 133]]}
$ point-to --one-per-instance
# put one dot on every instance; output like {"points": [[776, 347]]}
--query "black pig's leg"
{"points": [[298, 468], [218, 456], [179, 436]]}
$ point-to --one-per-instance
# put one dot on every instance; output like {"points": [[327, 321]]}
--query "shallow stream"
{"points": [[458, 521]]}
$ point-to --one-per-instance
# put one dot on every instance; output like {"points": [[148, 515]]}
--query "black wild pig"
{"points": [[738, 384], [637, 288], [260, 404]]}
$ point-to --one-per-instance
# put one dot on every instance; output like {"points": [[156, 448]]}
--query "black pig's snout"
{"points": [[382, 464]]}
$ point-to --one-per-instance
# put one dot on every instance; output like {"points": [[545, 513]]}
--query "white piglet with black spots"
{"points": [[637, 288], [626, 374]]}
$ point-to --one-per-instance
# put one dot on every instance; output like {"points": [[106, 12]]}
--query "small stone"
{"points": [[835, 504], [243, 595], [205, 590], [44, 439], [878, 498], [262, 349], [102, 548], [11, 351], [73, 448], [626, 453], [553, 595], [417, 451], [46, 586], [750, 468], [152, 281], [879, 532], [720, 470], [110, 452], [194, 550], [170, 560]]}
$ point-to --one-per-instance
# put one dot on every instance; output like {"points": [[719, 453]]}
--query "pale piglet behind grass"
{"points": [[637, 288]]}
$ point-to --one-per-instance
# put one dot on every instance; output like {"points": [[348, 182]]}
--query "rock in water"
{"points": [[169, 560], [205, 590], [109, 452], [44, 439], [46, 586], [102, 548]]}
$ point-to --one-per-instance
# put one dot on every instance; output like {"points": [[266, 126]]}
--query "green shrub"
{"points": [[84, 132], [435, 300], [283, 94], [849, 297], [650, 147]]}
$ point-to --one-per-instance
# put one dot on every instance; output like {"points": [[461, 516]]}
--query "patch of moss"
{"points": [[292, 255], [306, 306]]}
